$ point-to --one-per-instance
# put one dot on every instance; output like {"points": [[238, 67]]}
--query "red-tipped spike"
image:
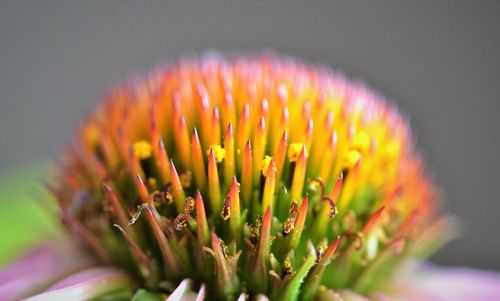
{"points": [[370, 224], [228, 110], [235, 220], [262, 254], [198, 163], [155, 137], [229, 162], [88, 237], [280, 155], [163, 162], [259, 149], [143, 191], [215, 128], [313, 280], [121, 215], [133, 163], [246, 174], [213, 183], [201, 220], [183, 143], [137, 252], [309, 133], [205, 115], [171, 261], [334, 194], [244, 127], [269, 187], [178, 191], [299, 223], [299, 175], [223, 278]]}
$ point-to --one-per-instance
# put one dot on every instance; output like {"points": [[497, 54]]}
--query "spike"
{"points": [[224, 281], [309, 133], [178, 191], [280, 155], [259, 279], [139, 255], [141, 188], [183, 144], [246, 174], [213, 183], [133, 164], [235, 220], [215, 128], [228, 110], [283, 125], [334, 194], [243, 128], [204, 110], [201, 221], [269, 188], [171, 261], [312, 282], [259, 149], [163, 162], [121, 215], [229, 168], [299, 175], [299, 223], [198, 163], [370, 224], [88, 237]]}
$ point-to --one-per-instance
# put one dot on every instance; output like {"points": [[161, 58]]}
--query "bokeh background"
{"points": [[438, 60]]}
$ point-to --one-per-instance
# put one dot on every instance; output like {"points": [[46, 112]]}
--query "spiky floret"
{"points": [[254, 175]]}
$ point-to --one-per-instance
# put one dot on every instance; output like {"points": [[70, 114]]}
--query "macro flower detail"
{"points": [[247, 178]]}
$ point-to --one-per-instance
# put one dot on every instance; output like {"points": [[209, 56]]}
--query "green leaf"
{"points": [[144, 295], [28, 212]]}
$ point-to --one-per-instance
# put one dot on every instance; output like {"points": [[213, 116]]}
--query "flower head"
{"points": [[257, 176]]}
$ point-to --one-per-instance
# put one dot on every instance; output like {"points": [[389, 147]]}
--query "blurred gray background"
{"points": [[439, 60]]}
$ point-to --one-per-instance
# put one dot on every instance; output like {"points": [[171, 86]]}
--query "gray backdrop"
{"points": [[439, 61]]}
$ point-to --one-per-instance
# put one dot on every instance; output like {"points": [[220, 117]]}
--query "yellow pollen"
{"points": [[186, 178], [351, 158], [142, 149], [294, 151], [361, 141], [219, 152], [264, 165], [152, 183]]}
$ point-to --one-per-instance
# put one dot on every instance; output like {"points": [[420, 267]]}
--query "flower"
{"points": [[238, 177]]}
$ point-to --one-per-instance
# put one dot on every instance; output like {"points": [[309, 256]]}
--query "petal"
{"points": [[41, 267], [85, 285], [433, 283], [182, 292]]}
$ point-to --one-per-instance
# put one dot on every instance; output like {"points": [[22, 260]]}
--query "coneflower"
{"points": [[246, 178]]}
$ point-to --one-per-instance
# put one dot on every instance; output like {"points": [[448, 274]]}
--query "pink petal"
{"points": [[86, 285], [41, 267], [433, 283], [459, 283], [182, 292]]}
